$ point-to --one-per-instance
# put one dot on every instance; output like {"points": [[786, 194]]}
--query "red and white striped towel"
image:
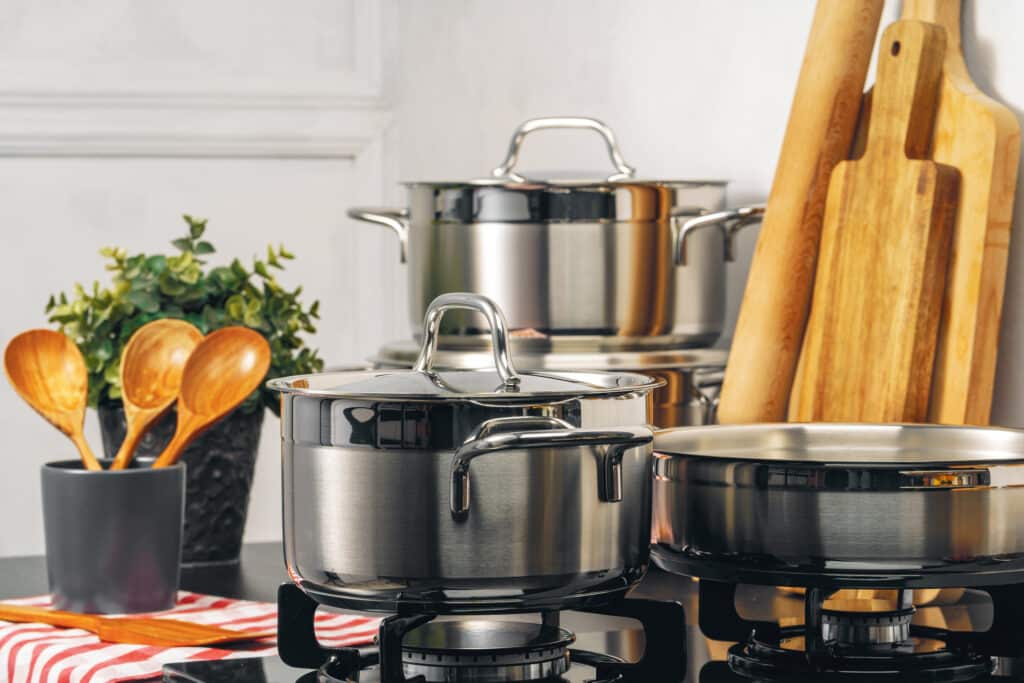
{"points": [[36, 653]]}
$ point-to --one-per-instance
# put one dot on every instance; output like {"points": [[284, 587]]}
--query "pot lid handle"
{"points": [[573, 122], [495, 319]]}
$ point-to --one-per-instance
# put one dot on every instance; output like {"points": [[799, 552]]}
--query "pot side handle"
{"points": [[729, 222], [707, 387], [506, 433], [396, 219]]}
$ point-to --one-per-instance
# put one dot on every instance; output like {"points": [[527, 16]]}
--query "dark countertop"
{"points": [[261, 571], [256, 577]]}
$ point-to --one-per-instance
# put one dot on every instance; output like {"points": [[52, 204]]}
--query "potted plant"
{"points": [[145, 287]]}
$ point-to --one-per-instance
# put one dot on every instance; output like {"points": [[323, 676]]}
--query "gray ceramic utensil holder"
{"points": [[113, 539]]}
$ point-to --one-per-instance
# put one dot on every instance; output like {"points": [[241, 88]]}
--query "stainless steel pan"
{"points": [[840, 499], [613, 256]]}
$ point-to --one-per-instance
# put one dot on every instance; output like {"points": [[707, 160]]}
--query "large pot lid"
{"points": [[501, 384], [479, 385], [606, 354], [505, 176]]}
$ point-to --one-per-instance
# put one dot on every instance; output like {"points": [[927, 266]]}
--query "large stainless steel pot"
{"points": [[873, 505], [610, 256], [688, 397], [386, 502]]}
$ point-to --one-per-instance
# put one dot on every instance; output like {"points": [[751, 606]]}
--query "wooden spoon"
{"points": [[48, 372], [222, 371], [151, 368], [136, 630]]}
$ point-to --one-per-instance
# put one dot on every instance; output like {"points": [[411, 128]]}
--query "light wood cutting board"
{"points": [[870, 341], [981, 138]]}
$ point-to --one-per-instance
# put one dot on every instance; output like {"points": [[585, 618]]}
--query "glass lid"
{"points": [[501, 384]]}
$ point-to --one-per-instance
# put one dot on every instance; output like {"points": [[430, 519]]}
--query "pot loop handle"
{"points": [[395, 219], [505, 171], [495, 319], [526, 432], [729, 222]]}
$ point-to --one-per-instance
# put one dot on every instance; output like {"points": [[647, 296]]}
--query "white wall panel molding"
{"points": [[303, 79]]}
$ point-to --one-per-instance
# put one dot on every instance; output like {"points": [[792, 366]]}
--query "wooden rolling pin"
{"points": [[769, 332]]}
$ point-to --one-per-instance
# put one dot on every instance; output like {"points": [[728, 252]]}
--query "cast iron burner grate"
{"points": [[412, 648], [836, 644]]}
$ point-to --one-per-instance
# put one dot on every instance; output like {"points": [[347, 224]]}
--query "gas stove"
{"points": [[429, 648], [735, 632]]}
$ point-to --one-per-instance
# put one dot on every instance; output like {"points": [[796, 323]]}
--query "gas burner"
{"points": [[784, 655], [867, 623], [486, 651], [413, 648], [844, 639]]}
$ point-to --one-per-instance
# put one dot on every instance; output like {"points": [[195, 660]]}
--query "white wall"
{"points": [[116, 116]]}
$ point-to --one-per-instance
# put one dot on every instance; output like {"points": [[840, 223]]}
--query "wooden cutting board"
{"points": [[981, 138], [766, 343], [871, 335]]}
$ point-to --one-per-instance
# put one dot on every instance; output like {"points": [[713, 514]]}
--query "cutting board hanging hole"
{"points": [[906, 90]]}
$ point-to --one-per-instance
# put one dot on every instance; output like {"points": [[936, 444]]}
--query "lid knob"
{"points": [[495, 319]]}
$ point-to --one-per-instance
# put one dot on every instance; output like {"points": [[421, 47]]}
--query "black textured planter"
{"points": [[220, 469]]}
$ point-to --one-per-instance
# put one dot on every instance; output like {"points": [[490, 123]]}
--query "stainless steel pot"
{"points": [[611, 256], [688, 397], [387, 500], [862, 504]]}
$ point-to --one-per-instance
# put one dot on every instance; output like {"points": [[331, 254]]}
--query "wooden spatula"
{"points": [[136, 630], [869, 346]]}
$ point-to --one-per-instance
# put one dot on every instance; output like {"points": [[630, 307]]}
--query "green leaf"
{"points": [[239, 270], [169, 285], [183, 243], [204, 248], [190, 275], [112, 373], [156, 264], [144, 300], [235, 307], [261, 269], [252, 319], [196, 226]]}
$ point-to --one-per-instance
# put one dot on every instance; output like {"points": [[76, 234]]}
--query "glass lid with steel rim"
{"points": [[502, 384], [845, 444]]}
